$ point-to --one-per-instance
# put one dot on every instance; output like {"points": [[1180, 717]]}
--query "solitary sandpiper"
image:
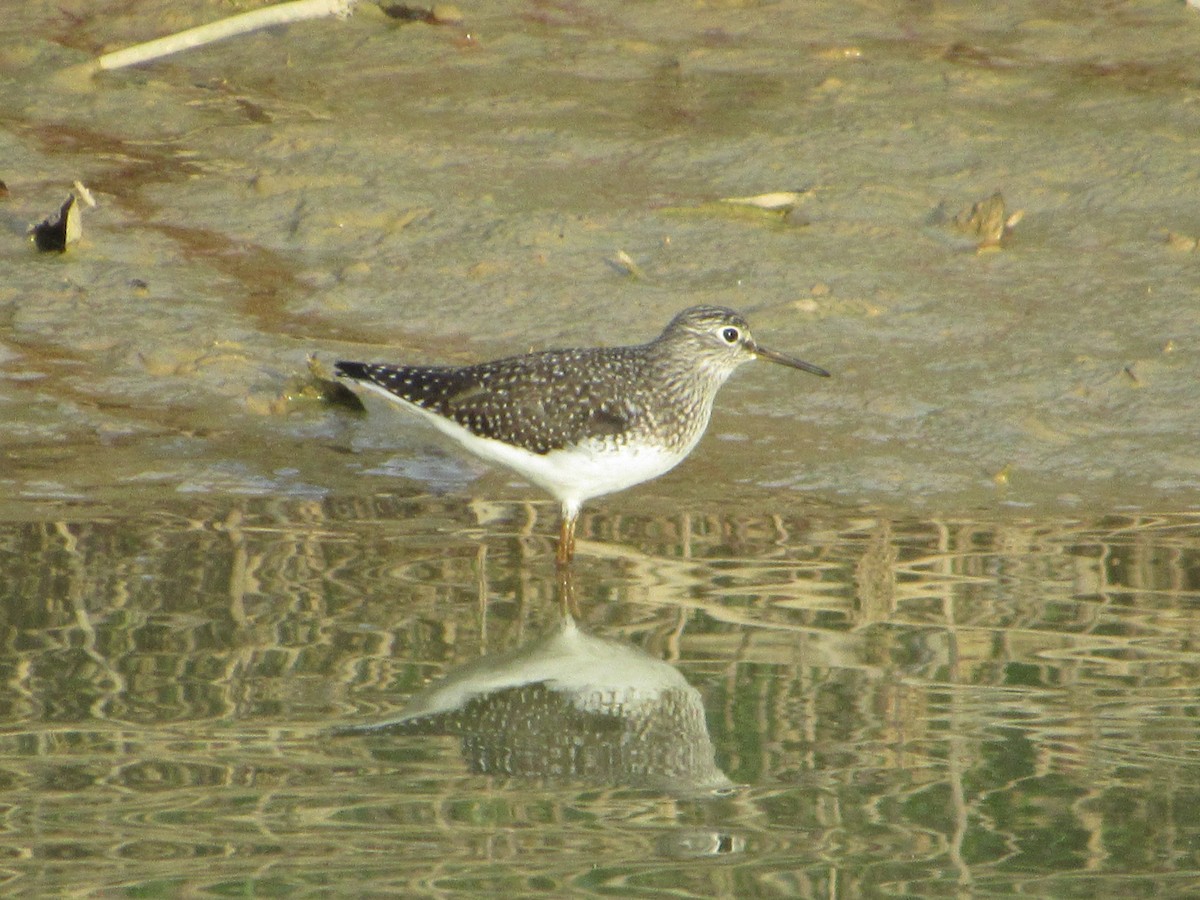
{"points": [[581, 423]]}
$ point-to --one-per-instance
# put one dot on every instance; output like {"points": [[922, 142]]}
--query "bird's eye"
{"points": [[731, 335]]}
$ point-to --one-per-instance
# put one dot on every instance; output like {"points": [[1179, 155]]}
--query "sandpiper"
{"points": [[585, 422]]}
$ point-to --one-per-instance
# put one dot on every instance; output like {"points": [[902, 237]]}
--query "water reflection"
{"points": [[909, 706], [570, 705]]}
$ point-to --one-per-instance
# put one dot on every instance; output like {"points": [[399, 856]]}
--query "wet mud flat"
{"points": [[463, 191]]}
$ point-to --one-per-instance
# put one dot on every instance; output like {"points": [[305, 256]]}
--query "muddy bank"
{"points": [[406, 191]]}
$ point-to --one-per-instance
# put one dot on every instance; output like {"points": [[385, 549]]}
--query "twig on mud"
{"points": [[280, 14]]}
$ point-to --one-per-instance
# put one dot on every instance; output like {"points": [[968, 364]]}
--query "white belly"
{"points": [[580, 473], [572, 475]]}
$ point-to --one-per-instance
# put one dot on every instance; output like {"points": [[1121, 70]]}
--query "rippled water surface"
{"points": [[282, 697]]}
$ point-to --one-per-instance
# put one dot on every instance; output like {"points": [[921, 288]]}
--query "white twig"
{"points": [[280, 14]]}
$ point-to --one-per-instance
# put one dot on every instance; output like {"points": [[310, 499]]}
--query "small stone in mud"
{"points": [[406, 13], [624, 264], [1184, 243], [988, 221], [782, 201], [56, 232], [318, 384], [438, 14]]}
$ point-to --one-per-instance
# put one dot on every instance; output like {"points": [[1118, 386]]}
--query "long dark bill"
{"points": [[784, 360]]}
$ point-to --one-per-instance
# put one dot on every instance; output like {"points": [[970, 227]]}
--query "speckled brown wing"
{"points": [[541, 402]]}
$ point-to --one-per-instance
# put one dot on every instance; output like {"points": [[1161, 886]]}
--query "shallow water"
{"points": [[925, 628], [885, 705]]}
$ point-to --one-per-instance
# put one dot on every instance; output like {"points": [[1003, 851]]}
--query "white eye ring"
{"points": [[730, 335]]}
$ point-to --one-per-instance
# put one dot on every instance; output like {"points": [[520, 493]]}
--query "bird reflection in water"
{"points": [[573, 706]]}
